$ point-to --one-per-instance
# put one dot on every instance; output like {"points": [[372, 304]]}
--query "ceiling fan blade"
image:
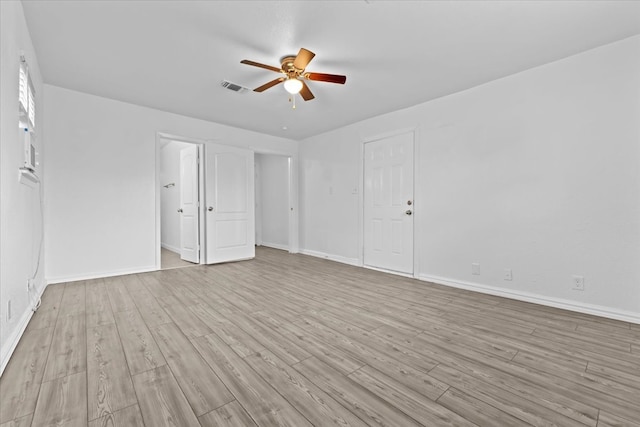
{"points": [[302, 60], [305, 92], [322, 77], [257, 64], [268, 85]]}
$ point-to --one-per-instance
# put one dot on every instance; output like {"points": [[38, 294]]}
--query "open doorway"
{"points": [[273, 204], [180, 194]]}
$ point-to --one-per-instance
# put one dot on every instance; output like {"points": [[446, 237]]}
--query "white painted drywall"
{"points": [[20, 215], [272, 197], [101, 180], [170, 197], [538, 172]]}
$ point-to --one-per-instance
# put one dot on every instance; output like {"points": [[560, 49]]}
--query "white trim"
{"points": [[361, 203], [595, 310], [63, 279], [384, 270], [336, 258], [13, 340], [416, 205], [170, 248], [389, 134], [275, 246], [158, 201]]}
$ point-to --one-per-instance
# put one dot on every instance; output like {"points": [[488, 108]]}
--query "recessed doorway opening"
{"points": [[180, 195], [272, 199]]}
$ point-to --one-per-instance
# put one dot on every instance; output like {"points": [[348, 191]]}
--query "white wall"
{"points": [[170, 197], [101, 180], [272, 197], [20, 217], [538, 172]]}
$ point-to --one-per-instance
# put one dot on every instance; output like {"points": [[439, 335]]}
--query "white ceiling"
{"points": [[172, 55]]}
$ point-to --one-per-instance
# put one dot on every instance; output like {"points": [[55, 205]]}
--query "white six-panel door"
{"points": [[189, 209], [388, 203], [230, 208]]}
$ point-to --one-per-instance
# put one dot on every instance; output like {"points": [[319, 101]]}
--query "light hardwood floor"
{"points": [[169, 259], [291, 340]]}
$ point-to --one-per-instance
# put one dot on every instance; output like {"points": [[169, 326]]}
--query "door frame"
{"points": [[162, 136], [417, 205], [293, 194]]}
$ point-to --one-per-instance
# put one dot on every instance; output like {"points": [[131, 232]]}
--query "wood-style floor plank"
{"points": [[140, 349], [186, 320], [502, 399], [149, 308], [316, 405], [162, 403], [63, 402], [260, 400], [68, 352], [393, 367], [230, 415], [20, 382], [408, 401], [73, 299], [127, 417], [512, 378], [109, 383], [118, 294], [19, 422], [270, 338], [610, 420], [202, 388], [329, 354], [98, 308], [476, 410], [241, 342], [366, 405]]}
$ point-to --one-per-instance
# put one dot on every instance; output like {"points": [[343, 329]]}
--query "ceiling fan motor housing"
{"points": [[288, 68]]}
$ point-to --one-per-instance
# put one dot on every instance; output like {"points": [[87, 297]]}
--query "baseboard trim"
{"points": [[594, 310], [170, 248], [101, 275], [275, 246], [336, 258], [14, 338], [384, 270]]}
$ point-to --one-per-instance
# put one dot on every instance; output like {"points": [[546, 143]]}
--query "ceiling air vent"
{"points": [[234, 87]]}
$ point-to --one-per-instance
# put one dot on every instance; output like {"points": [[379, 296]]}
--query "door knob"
{"points": [[210, 208], [409, 202], [180, 210], [408, 212]]}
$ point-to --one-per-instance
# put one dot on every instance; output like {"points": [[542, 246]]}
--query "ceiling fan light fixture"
{"points": [[293, 85]]}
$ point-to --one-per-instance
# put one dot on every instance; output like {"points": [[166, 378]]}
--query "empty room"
{"points": [[319, 213]]}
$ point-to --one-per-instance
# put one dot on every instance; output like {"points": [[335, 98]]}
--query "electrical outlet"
{"points": [[578, 283], [508, 274], [475, 268]]}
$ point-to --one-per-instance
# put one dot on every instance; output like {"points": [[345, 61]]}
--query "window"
{"points": [[26, 97]]}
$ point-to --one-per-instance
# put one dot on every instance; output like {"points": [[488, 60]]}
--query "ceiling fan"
{"points": [[293, 68]]}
